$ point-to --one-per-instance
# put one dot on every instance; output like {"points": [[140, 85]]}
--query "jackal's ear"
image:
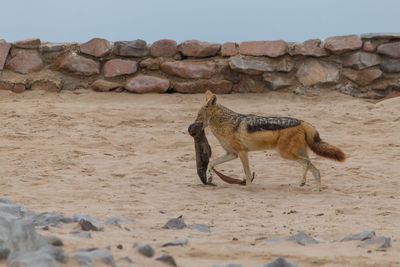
{"points": [[212, 101], [209, 94]]}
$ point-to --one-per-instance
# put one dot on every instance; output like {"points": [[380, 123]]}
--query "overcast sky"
{"points": [[206, 20]]}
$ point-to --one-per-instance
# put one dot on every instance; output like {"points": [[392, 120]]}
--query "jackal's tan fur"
{"points": [[238, 134]]}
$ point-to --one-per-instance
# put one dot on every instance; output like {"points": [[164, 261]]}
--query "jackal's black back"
{"points": [[258, 123]]}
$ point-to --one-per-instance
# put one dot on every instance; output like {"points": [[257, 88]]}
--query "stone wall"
{"points": [[366, 66]]}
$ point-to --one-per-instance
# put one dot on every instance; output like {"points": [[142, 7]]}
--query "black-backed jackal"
{"points": [[238, 134]]}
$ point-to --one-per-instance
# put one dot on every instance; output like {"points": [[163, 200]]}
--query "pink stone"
{"points": [[14, 87], [368, 47], [104, 86], [117, 67], [163, 48], [75, 64], [390, 49], [147, 84], [4, 50], [360, 60], [229, 49], [151, 63], [342, 44], [313, 72], [264, 48], [194, 48], [201, 86], [310, 47], [32, 43], [25, 61], [363, 77], [188, 69], [96, 47]]}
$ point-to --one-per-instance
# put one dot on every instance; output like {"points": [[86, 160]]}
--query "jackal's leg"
{"points": [[245, 162], [317, 176], [308, 165], [227, 157], [305, 162]]}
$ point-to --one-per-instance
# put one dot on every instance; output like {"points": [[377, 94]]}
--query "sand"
{"points": [[129, 155]]}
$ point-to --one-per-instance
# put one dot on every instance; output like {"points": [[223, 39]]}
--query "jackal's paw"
{"points": [[302, 182], [209, 177]]}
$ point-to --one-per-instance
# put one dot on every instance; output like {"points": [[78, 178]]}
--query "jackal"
{"points": [[238, 134]]}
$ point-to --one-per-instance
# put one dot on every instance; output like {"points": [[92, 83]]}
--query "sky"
{"points": [[205, 20]]}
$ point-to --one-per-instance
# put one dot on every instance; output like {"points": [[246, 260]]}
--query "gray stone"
{"points": [[137, 48], [229, 265], [44, 257], [167, 259], [4, 252], [378, 242], [279, 262], [390, 65], [88, 223], [177, 223], [46, 219], [249, 66], [176, 242], [116, 221], [310, 47], [144, 249], [81, 234], [361, 60], [275, 81], [360, 236], [303, 239], [201, 227], [87, 257], [381, 36], [390, 49]]}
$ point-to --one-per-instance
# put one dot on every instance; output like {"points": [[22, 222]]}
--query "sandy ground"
{"points": [[128, 155]]}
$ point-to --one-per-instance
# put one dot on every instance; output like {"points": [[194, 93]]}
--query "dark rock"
{"points": [[201, 227], [54, 241], [249, 66], [361, 60], [201, 86], [313, 72], [50, 219], [32, 43], [310, 47], [280, 262], [360, 236], [88, 223], [264, 48], [303, 238], [194, 48], [378, 242], [229, 49], [4, 49], [147, 84], [88, 257], [176, 242], [163, 48], [81, 234], [390, 49], [177, 223], [96, 47], [4, 252], [390, 65], [363, 77], [25, 61], [167, 259], [341, 44], [117, 67], [104, 86], [144, 249], [189, 69], [137, 48]]}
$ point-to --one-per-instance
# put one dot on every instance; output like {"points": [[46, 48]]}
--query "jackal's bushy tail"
{"points": [[320, 147]]}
